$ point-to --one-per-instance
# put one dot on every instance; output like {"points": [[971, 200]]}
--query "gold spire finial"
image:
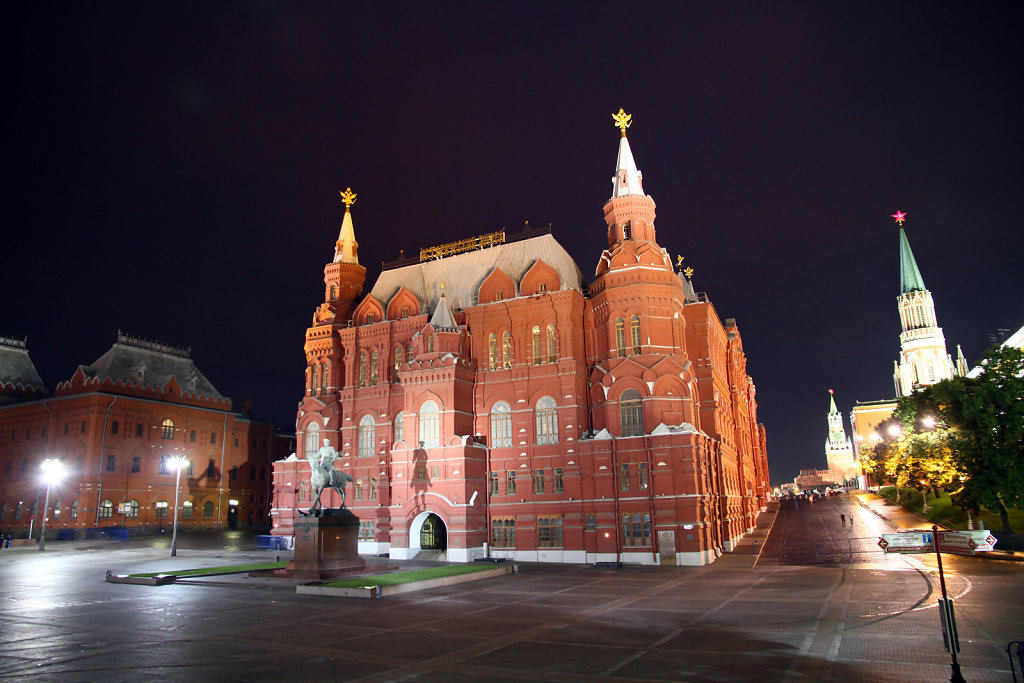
{"points": [[349, 197], [688, 273], [622, 121], [442, 287], [679, 260]]}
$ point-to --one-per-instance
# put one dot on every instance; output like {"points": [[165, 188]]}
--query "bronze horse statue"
{"points": [[324, 476]]}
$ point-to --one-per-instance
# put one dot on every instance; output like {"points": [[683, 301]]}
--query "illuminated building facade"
{"points": [[486, 402], [116, 424]]}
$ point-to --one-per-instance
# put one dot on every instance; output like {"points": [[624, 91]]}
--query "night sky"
{"points": [[174, 169]]}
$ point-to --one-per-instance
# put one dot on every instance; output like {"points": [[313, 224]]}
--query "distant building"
{"points": [[116, 424], [19, 378], [838, 447], [484, 400], [808, 480]]}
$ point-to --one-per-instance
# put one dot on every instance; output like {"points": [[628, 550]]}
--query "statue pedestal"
{"points": [[326, 546]]}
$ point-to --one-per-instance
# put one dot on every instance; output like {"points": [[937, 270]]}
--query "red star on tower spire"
{"points": [[900, 216]]}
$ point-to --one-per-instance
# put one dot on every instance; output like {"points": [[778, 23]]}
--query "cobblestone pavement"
{"points": [[730, 621]]}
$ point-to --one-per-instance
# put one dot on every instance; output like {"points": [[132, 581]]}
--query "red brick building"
{"points": [[486, 401], [115, 424]]}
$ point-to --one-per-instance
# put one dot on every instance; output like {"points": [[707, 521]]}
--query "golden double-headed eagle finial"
{"points": [[688, 273], [349, 197], [622, 121]]}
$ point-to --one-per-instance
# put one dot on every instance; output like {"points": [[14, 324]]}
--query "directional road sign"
{"points": [[956, 542], [907, 542]]}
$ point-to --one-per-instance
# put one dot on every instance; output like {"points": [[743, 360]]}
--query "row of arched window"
{"points": [[57, 508], [544, 345], [130, 509]]}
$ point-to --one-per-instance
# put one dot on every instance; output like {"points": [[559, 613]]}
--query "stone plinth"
{"points": [[326, 546]]}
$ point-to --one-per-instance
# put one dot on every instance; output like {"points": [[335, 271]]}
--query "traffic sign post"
{"points": [[955, 542]]}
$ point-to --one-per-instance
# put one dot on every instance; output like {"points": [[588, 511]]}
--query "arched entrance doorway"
{"points": [[433, 533]]}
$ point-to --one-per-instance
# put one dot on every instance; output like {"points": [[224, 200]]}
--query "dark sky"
{"points": [[174, 168]]}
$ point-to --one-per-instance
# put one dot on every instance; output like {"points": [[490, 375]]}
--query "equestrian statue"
{"points": [[323, 476]]}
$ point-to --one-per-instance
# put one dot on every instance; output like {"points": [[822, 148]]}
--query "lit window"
{"points": [[631, 414], [400, 427], [636, 529], [362, 369], [161, 509], [398, 360], [131, 510], [73, 509], [410, 353], [547, 420], [106, 509], [366, 436], [429, 425], [506, 349], [167, 430], [501, 425], [325, 368], [315, 371], [503, 532], [186, 509], [538, 358], [552, 345], [620, 336], [542, 287], [634, 333], [499, 295], [374, 365], [312, 438], [492, 351], [549, 532]]}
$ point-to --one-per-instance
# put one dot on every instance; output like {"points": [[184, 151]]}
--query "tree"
{"points": [[986, 417]]}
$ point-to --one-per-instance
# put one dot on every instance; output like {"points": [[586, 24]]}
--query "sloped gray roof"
{"points": [[16, 367], [462, 274], [137, 361]]}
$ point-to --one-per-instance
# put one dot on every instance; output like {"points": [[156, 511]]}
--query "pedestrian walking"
{"points": [[842, 518], [851, 520]]}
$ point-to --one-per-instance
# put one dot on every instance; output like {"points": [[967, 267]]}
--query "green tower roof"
{"points": [[910, 276]]}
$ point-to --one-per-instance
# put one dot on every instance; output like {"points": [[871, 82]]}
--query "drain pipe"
{"points": [[99, 472], [220, 482]]}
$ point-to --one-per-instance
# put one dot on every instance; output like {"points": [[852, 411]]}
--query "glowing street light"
{"points": [[177, 462], [895, 431], [928, 421], [53, 472]]}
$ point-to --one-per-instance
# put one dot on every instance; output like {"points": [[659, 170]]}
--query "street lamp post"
{"points": [[53, 470], [179, 462]]}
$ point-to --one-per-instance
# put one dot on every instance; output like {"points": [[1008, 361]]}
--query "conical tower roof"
{"points": [[628, 180], [346, 248], [910, 276]]}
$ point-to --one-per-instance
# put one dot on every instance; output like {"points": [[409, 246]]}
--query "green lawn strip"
{"points": [[205, 571], [944, 511], [409, 576]]}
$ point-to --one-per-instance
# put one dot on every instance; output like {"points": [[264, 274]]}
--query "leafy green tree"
{"points": [[985, 416]]}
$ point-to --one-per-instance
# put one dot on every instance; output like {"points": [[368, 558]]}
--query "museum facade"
{"points": [[487, 402]]}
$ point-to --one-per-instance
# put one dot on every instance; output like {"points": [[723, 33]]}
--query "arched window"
{"points": [[131, 510], [547, 420], [208, 510], [56, 510], [374, 365], [552, 345], [315, 371], [17, 511], [538, 357], [362, 369], [429, 426], [501, 425], [410, 353], [634, 333], [312, 438], [73, 509], [631, 413], [506, 348], [3, 512], [620, 336], [430, 344], [931, 371], [136, 465], [111, 463], [492, 351], [186, 509], [400, 427], [106, 509], [627, 231], [398, 360], [324, 376], [366, 436], [161, 509], [167, 430]]}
